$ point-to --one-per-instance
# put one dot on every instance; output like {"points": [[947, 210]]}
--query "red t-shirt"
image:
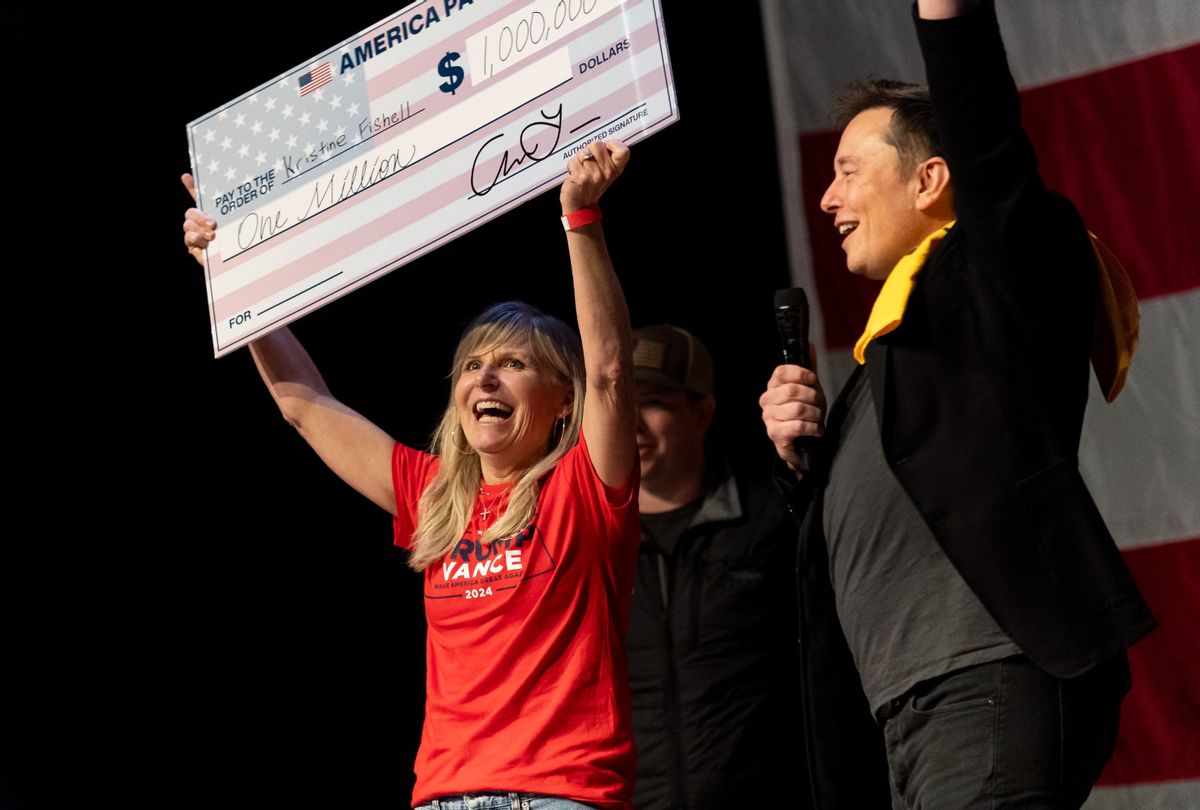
{"points": [[526, 685]]}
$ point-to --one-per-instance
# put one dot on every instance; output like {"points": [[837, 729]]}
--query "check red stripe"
{"points": [[1120, 143], [1159, 738]]}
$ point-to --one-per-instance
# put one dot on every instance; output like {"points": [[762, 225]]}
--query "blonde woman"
{"points": [[523, 521]]}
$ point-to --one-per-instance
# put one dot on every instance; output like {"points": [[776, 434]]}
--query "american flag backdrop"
{"points": [[1111, 98]]}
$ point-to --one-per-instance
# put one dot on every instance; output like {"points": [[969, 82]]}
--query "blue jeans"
{"points": [[1003, 734], [502, 801]]}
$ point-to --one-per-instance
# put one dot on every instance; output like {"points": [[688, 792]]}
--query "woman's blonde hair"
{"points": [[447, 503]]}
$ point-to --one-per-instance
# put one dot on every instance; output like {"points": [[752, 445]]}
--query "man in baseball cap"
{"points": [[712, 644], [674, 376]]}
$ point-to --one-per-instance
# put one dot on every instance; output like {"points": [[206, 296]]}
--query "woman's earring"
{"points": [[470, 451], [560, 427]]}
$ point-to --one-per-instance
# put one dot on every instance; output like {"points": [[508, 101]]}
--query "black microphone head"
{"points": [[792, 298]]}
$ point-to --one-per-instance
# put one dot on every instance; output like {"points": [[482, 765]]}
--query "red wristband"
{"points": [[584, 216]]}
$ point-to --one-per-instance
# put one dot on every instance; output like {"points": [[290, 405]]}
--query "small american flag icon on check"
{"points": [[315, 78]]}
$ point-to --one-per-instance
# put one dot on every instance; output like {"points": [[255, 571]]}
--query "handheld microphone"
{"points": [[791, 316]]}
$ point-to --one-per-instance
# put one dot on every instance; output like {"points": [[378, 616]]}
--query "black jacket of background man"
{"points": [[713, 659]]}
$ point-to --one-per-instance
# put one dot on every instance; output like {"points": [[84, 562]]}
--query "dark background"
{"points": [[195, 611]]}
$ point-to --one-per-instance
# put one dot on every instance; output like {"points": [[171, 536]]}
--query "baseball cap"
{"points": [[671, 357]]}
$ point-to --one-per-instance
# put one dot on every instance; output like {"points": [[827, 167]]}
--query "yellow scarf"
{"points": [[889, 306], [1114, 335]]}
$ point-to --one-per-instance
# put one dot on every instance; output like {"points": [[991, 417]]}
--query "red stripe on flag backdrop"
{"points": [[1120, 143], [1159, 738]]}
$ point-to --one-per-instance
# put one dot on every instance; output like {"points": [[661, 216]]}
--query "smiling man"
{"points": [[960, 590], [890, 189], [712, 636]]}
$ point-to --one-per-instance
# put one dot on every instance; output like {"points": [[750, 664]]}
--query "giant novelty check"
{"points": [[410, 134]]}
